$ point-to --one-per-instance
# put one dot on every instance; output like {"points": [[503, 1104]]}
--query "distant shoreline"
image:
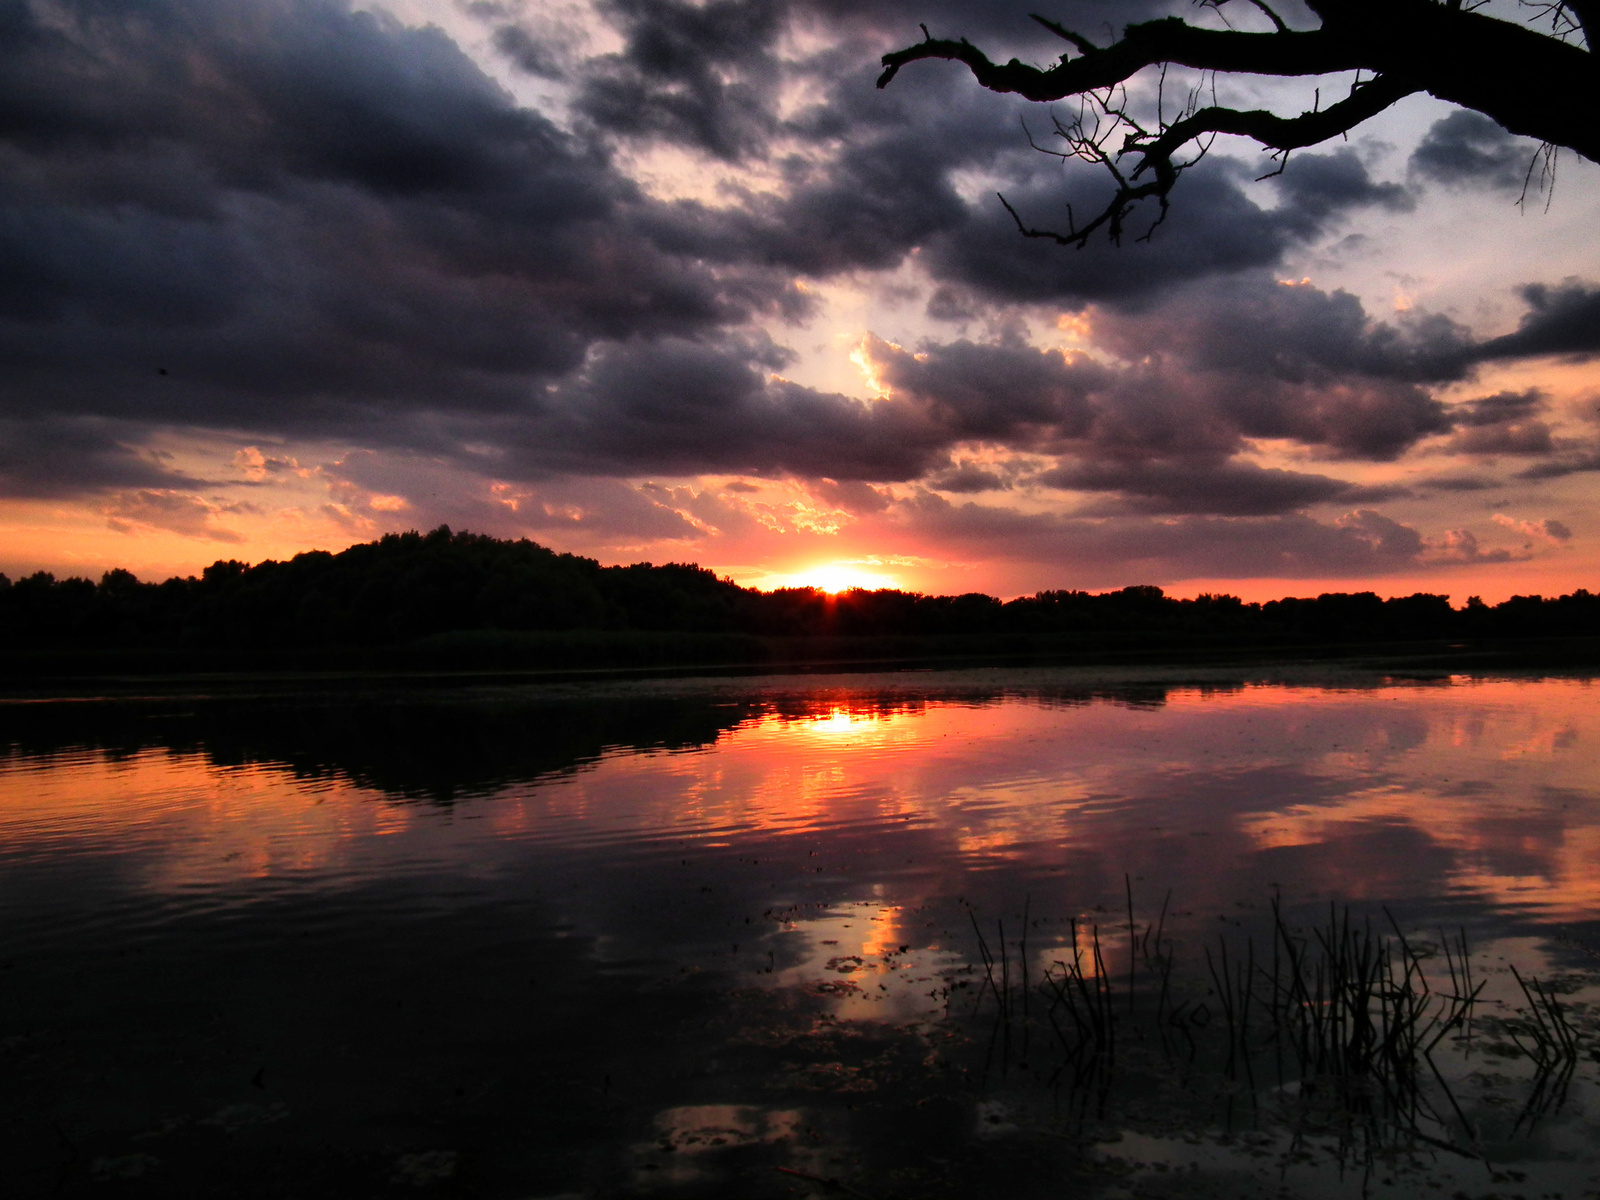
{"points": [[492, 656], [455, 604]]}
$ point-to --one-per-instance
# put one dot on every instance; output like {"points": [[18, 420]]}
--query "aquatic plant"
{"points": [[1340, 1019]]}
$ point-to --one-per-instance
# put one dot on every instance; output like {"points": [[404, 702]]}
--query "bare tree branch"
{"points": [[1534, 84], [1146, 45], [1084, 45], [1282, 133], [1530, 83], [1277, 21], [1568, 17]]}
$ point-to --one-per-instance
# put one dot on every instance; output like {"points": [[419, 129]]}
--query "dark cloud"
{"points": [[1559, 466], [947, 303], [312, 215], [1213, 228], [870, 175], [59, 457], [320, 219], [967, 478], [1499, 409], [529, 53], [1162, 428], [435, 492], [312, 218], [1228, 488], [288, 218], [1004, 392], [331, 324], [852, 495], [1206, 373], [1294, 333], [711, 75], [879, 185], [1263, 359], [253, 92], [704, 75], [1504, 423], [1203, 375], [680, 407], [684, 407], [1108, 552], [1315, 188], [1216, 229], [1467, 148], [1564, 319]]}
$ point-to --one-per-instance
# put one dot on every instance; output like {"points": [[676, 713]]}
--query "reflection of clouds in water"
{"points": [[780, 906], [1007, 818], [1501, 786], [184, 823], [1483, 786]]}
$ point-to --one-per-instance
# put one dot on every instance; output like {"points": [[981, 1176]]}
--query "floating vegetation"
{"points": [[1335, 1027]]}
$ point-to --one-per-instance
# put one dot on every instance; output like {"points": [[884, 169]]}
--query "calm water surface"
{"points": [[721, 937]]}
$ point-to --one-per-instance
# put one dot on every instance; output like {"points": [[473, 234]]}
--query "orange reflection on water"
{"points": [[1468, 787], [1500, 781], [187, 822]]}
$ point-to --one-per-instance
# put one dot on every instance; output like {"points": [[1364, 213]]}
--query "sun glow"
{"points": [[834, 578]]}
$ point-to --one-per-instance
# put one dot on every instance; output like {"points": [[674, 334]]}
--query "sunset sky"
{"points": [[674, 281]]}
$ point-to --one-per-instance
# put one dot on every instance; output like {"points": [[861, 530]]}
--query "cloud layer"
{"points": [[285, 222]]}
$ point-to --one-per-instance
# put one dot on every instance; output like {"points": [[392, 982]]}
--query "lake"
{"points": [[1005, 933]]}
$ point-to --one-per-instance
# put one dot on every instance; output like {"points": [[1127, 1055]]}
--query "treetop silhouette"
{"points": [[1537, 84], [404, 589]]}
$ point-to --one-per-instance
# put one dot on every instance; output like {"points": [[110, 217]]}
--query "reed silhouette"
{"points": [[1337, 1026]]}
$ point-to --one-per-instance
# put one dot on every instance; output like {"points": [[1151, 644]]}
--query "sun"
{"points": [[837, 577], [834, 577]]}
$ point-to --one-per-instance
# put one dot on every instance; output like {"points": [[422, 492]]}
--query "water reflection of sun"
{"points": [[883, 932], [839, 721]]}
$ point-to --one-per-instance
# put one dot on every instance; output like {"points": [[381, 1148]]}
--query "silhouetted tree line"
{"points": [[404, 587]]}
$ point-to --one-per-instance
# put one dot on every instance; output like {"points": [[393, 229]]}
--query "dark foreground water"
{"points": [[742, 937]]}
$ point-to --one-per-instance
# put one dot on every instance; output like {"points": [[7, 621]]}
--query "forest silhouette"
{"points": [[467, 599]]}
